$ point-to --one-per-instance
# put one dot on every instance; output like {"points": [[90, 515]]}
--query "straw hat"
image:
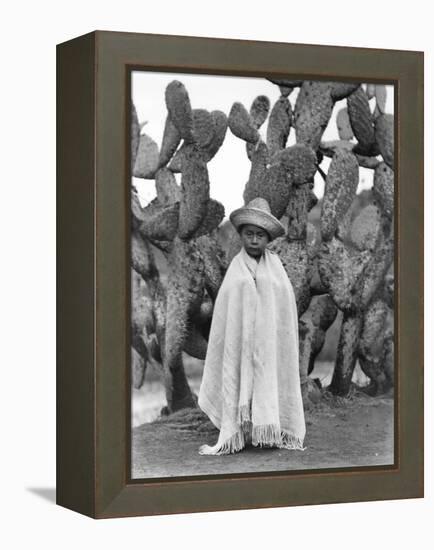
{"points": [[257, 212]]}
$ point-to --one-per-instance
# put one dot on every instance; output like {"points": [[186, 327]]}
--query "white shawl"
{"points": [[250, 386]]}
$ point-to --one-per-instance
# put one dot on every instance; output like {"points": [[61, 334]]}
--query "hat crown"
{"points": [[260, 203], [257, 212]]}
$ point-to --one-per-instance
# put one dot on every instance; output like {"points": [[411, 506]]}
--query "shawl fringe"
{"points": [[267, 435], [232, 445], [291, 442]]}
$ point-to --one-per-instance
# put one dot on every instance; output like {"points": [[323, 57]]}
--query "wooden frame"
{"points": [[93, 274]]}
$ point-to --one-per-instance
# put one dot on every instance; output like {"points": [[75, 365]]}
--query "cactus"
{"points": [[184, 293], [241, 124], [175, 164], [203, 128], [283, 175], [138, 369], [346, 266], [385, 138], [300, 163], [286, 83], [214, 215], [344, 125], [380, 98], [137, 216], [297, 210], [292, 166], [195, 195], [339, 270], [374, 348], [354, 288], [314, 324], [195, 343], [367, 162], [171, 140], [370, 91], [135, 135], [168, 191], [340, 190], [147, 158], [285, 91], [389, 288], [292, 248], [145, 301], [329, 148], [341, 90], [220, 124], [353, 276], [215, 266], [179, 109], [279, 125], [181, 222], [312, 237], [383, 188], [346, 355], [257, 182], [362, 123], [312, 113], [141, 257], [375, 272], [295, 260], [259, 110], [365, 228], [160, 223], [275, 188], [355, 281]]}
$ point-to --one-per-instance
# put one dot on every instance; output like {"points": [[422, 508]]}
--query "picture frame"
{"points": [[93, 272]]}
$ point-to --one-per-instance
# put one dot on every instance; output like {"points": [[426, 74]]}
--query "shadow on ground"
{"points": [[47, 493]]}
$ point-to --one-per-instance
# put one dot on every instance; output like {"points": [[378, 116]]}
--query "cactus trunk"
{"points": [[346, 353]]}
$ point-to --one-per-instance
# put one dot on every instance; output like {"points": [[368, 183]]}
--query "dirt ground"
{"points": [[339, 433]]}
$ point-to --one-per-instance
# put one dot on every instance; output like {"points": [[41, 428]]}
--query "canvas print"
{"points": [[262, 275]]}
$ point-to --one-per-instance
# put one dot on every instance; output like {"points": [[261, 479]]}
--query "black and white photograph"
{"points": [[262, 274]]}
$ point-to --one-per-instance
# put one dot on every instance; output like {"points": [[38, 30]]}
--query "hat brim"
{"points": [[256, 216]]}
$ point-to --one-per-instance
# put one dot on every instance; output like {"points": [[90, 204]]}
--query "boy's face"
{"points": [[254, 239]]}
